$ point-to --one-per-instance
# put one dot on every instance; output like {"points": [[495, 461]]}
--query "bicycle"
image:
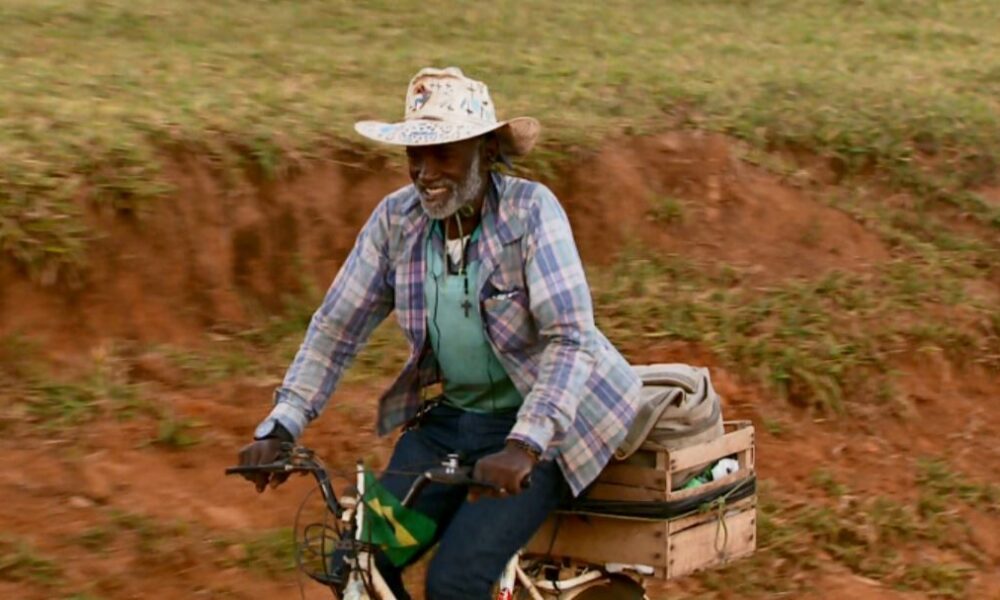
{"points": [[337, 556]]}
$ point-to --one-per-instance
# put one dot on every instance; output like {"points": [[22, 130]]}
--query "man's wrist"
{"points": [[538, 431], [277, 432], [525, 447]]}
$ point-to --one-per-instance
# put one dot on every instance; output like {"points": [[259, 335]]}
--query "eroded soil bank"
{"points": [[126, 518], [215, 255]]}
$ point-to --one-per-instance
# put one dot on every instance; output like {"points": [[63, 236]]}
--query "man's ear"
{"points": [[490, 150]]}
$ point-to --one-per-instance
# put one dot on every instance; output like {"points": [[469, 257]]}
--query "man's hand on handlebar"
{"points": [[262, 452], [507, 470]]}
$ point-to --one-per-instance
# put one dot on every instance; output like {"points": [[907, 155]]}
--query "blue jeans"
{"points": [[476, 538]]}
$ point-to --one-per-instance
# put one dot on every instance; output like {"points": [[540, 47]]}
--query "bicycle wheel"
{"points": [[615, 587]]}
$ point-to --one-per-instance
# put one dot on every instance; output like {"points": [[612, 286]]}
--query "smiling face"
{"points": [[449, 176]]}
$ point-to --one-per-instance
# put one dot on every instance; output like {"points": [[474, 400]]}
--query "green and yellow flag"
{"points": [[400, 532]]}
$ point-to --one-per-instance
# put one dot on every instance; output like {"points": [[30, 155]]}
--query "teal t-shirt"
{"points": [[473, 376]]}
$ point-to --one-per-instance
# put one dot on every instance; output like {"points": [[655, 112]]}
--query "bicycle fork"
{"points": [[512, 574], [356, 589]]}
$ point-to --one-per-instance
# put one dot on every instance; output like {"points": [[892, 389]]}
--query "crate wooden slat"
{"points": [[733, 442], [654, 468], [600, 540], [708, 544], [673, 547], [612, 491], [626, 474]]}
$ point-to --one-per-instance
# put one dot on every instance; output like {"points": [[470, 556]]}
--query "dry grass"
{"points": [[93, 91]]}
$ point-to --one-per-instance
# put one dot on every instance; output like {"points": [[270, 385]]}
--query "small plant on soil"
{"points": [[826, 481], [96, 538], [150, 533], [667, 210], [176, 433], [941, 488], [271, 552], [206, 366], [19, 561], [939, 580], [54, 399]]}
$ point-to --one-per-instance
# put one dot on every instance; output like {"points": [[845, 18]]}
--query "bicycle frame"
{"points": [[363, 568], [364, 575], [363, 564], [513, 574]]}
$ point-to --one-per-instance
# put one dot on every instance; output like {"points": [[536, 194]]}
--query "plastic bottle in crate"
{"points": [[715, 472]]}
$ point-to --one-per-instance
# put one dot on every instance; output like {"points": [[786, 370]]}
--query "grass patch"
{"points": [[876, 537], [96, 538], [271, 552], [176, 433], [667, 210], [94, 94], [826, 481], [790, 337], [223, 360], [775, 427], [44, 394], [150, 534], [940, 580], [941, 488], [817, 343], [20, 561]]}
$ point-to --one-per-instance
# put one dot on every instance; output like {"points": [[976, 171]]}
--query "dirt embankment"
{"points": [[215, 256]]}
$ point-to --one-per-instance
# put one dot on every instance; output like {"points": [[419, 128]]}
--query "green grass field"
{"points": [[92, 92]]}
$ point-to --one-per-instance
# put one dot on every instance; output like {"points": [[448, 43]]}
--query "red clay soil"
{"points": [[214, 257], [60, 489], [732, 211]]}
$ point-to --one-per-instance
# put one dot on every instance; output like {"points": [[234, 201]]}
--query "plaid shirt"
{"points": [[580, 395]]}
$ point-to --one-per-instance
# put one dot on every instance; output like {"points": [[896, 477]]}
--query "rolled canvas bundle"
{"points": [[679, 408]]}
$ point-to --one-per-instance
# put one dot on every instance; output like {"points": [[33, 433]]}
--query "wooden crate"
{"points": [[674, 547], [648, 475]]}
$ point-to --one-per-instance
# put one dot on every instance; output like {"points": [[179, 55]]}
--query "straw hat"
{"points": [[442, 106]]}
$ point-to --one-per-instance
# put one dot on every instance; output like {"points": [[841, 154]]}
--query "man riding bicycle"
{"points": [[487, 285]]}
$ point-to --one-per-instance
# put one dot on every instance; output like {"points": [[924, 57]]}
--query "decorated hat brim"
{"points": [[517, 136]]}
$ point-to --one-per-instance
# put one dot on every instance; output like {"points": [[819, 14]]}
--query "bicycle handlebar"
{"points": [[299, 459], [296, 459], [266, 468], [450, 473]]}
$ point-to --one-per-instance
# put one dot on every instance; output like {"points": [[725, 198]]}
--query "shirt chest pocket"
{"points": [[508, 321], [506, 307]]}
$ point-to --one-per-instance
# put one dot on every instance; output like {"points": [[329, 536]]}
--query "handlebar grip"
{"points": [[240, 470], [268, 468]]}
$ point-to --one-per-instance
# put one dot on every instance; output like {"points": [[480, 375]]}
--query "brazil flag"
{"points": [[400, 532]]}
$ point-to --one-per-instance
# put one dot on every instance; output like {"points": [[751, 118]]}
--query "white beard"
{"points": [[459, 195]]}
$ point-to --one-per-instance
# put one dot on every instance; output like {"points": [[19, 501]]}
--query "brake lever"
{"points": [[290, 458]]}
